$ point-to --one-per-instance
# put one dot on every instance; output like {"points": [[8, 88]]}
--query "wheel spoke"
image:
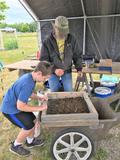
{"points": [[77, 155], [64, 143], [63, 150], [81, 149], [77, 144], [68, 156], [72, 139]]}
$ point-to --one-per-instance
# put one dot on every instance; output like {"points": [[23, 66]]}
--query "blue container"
{"points": [[110, 85], [103, 92]]}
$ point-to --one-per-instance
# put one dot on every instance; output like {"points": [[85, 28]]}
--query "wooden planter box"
{"points": [[71, 119]]}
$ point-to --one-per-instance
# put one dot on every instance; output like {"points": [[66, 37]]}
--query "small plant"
{"points": [[101, 155], [11, 44]]}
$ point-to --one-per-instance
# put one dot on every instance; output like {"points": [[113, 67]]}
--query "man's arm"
{"points": [[44, 53]]}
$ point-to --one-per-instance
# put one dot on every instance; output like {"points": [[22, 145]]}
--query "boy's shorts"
{"points": [[23, 120]]}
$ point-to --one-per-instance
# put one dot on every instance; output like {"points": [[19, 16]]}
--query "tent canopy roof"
{"points": [[98, 34], [50, 9]]}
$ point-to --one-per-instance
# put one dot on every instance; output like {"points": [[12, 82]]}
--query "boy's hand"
{"points": [[43, 107], [43, 98]]}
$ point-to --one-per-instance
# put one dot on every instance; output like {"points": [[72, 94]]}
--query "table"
{"points": [[23, 66], [90, 71]]}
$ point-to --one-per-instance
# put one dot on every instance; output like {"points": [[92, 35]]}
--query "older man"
{"points": [[61, 49]]}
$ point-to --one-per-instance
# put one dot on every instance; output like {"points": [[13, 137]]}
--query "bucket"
{"points": [[109, 81], [103, 92], [109, 84]]}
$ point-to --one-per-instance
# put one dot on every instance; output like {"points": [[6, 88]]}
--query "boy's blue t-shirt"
{"points": [[21, 90]]}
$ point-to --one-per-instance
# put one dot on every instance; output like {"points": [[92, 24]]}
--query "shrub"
{"points": [[11, 44]]}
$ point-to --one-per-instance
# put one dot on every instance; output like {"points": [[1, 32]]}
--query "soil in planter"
{"points": [[67, 106]]}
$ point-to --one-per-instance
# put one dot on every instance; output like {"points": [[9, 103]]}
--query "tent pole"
{"points": [[84, 36], [94, 40], [39, 35], [70, 18], [84, 30], [104, 16], [82, 17], [28, 9], [1, 41]]}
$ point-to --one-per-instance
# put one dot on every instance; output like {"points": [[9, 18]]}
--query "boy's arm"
{"points": [[42, 97], [34, 96], [28, 108]]}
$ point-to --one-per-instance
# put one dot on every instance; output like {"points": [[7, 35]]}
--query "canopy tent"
{"points": [[95, 23]]}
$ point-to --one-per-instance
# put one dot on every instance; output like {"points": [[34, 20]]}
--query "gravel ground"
{"points": [[112, 144]]}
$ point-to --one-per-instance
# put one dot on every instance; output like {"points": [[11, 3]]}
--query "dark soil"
{"points": [[67, 105]]}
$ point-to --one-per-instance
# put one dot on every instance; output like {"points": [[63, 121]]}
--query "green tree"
{"points": [[24, 27], [21, 27], [3, 8], [3, 25], [33, 26]]}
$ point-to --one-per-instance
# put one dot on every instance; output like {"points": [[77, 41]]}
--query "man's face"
{"points": [[59, 34], [41, 78]]}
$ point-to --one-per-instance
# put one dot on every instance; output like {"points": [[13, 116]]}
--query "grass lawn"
{"points": [[27, 43]]}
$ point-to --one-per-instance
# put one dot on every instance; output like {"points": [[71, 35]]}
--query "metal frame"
{"points": [[85, 17], [28, 9]]}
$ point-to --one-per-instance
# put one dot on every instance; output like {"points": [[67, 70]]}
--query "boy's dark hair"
{"points": [[45, 67]]}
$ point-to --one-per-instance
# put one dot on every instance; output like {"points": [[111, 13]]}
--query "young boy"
{"points": [[15, 108]]}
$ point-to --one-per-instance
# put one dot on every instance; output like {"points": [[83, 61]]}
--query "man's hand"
{"points": [[59, 72], [80, 74]]}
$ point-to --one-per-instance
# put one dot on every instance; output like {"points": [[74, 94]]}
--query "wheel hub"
{"points": [[72, 150]]}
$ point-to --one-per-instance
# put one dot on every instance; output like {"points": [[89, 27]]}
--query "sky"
{"points": [[16, 12]]}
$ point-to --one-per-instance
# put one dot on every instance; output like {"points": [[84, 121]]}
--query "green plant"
{"points": [[101, 155], [11, 44]]}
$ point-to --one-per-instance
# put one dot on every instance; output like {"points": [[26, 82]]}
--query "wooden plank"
{"points": [[90, 104], [115, 69], [25, 65], [61, 95], [94, 71], [78, 116], [69, 123]]}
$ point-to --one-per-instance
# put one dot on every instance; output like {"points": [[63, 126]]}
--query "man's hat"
{"points": [[62, 24]]}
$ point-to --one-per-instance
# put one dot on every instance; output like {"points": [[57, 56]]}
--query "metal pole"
{"points": [[28, 9], [1, 41], [94, 40], [39, 35], [84, 30], [69, 18], [84, 36], [87, 17], [104, 16]]}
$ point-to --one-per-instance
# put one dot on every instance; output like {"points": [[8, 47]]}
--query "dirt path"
{"points": [[112, 144]]}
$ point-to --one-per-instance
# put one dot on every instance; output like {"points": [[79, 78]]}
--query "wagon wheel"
{"points": [[71, 144]]}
